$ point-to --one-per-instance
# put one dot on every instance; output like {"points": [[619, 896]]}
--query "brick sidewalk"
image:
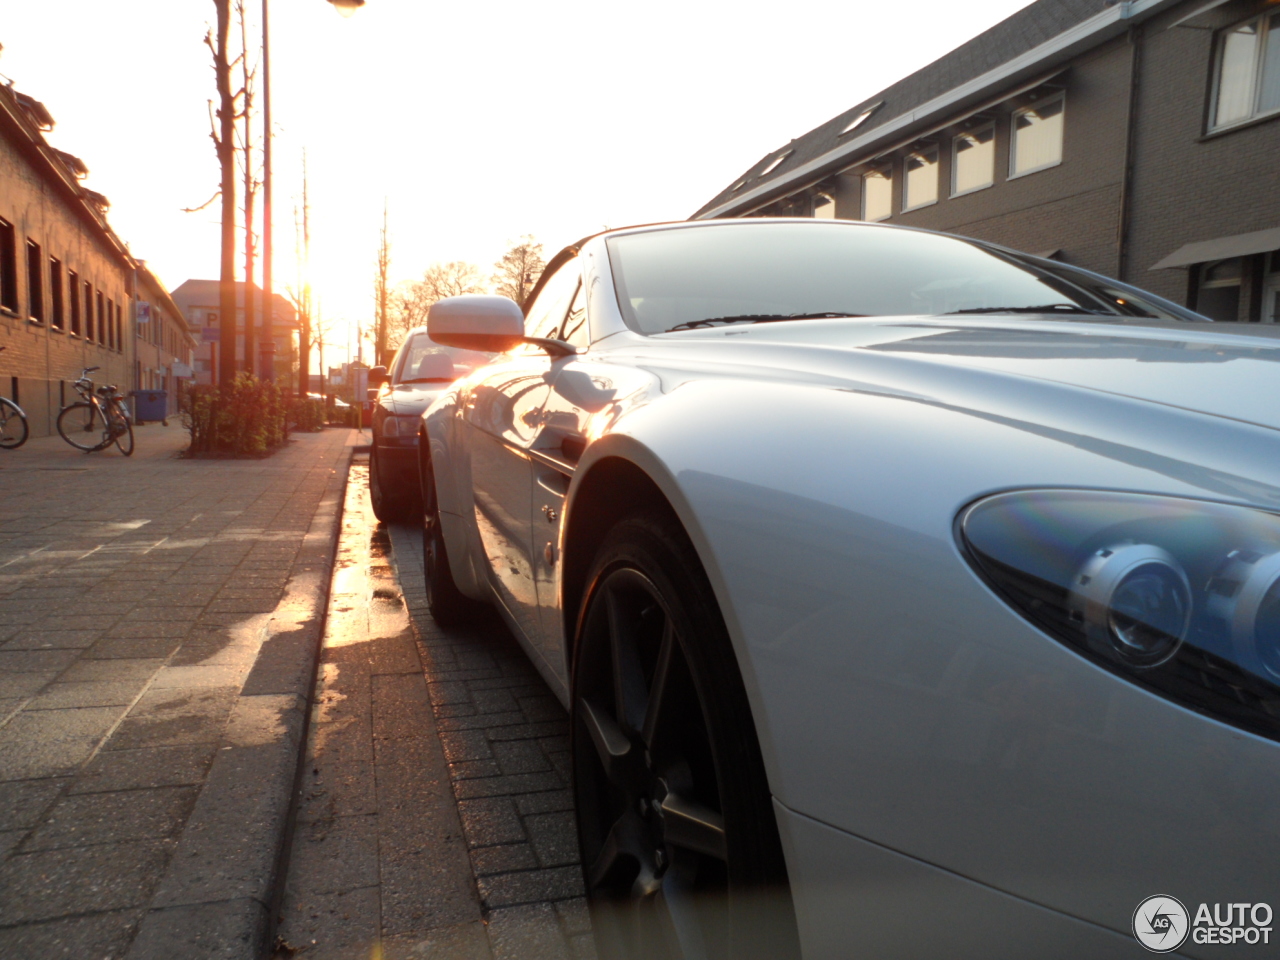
{"points": [[153, 616], [436, 817]]}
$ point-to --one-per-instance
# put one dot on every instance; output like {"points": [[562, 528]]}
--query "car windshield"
{"points": [[762, 272], [426, 361]]}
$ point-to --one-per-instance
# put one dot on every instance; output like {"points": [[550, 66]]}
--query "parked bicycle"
{"points": [[97, 420], [13, 424]]}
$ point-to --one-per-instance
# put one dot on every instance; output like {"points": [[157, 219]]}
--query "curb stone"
{"points": [[221, 889]]}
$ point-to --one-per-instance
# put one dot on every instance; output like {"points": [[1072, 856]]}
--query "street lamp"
{"points": [[347, 7]]}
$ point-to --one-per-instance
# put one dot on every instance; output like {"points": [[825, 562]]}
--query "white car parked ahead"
{"points": [[912, 597]]}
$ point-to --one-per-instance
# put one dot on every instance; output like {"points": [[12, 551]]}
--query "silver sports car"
{"points": [[912, 597]]}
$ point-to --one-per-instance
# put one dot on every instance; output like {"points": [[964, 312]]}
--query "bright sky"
{"points": [[477, 121]]}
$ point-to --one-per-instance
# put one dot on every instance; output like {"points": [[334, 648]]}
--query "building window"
{"points": [[774, 164], [8, 267], [35, 281], [1218, 296], [920, 185], [57, 317], [824, 206], [877, 195], [1248, 71], [88, 310], [1037, 137], [111, 324], [973, 160], [119, 330], [102, 319], [73, 288], [1271, 290]]}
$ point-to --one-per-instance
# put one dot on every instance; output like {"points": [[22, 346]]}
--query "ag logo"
{"points": [[1160, 923]]}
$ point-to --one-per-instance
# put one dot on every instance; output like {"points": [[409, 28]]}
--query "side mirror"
{"points": [[476, 322], [377, 376]]}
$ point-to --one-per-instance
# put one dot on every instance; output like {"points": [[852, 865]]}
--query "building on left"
{"points": [[70, 292]]}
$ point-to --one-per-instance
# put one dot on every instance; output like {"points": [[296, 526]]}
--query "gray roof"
{"points": [[205, 294], [1028, 28]]}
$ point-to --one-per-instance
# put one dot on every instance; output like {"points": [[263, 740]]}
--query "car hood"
{"points": [[411, 399], [1222, 369]]}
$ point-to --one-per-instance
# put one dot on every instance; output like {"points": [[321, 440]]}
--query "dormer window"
{"points": [[774, 163], [860, 119]]}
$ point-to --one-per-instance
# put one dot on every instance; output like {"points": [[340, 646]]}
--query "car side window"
{"points": [[546, 315], [575, 324]]}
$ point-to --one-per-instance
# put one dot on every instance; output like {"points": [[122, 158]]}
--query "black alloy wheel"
{"points": [[680, 849], [449, 606]]}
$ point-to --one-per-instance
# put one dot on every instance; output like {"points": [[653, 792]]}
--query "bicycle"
{"points": [[13, 424], [97, 420]]}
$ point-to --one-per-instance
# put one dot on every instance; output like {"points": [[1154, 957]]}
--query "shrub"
{"points": [[246, 418], [307, 413]]}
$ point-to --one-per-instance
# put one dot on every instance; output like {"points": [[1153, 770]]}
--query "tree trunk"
{"points": [[226, 114]]}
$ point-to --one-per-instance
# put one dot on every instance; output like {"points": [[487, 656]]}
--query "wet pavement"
{"points": [[158, 621], [435, 817]]}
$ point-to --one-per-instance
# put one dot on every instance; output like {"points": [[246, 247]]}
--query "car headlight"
{"points": [[1182, 596], [400, 426]]}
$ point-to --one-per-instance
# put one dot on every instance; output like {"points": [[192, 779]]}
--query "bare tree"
{"points": [[381, 293], [223, 136], [410, 301], [519, 269]]}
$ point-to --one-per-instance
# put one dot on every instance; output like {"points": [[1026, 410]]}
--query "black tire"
{"points": [[680, 849], [13, 425], [449, 606], [389, 504], [82, 426], [123, 431]]}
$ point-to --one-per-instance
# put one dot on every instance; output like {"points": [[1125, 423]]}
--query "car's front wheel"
{"points": [[680, 848], [391, 504], [449, 606]]}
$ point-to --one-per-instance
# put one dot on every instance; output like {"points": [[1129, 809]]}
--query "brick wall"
{"points": [[39, 355]]}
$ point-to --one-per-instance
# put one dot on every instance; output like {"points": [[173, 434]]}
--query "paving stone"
{"points": [[520, 756], [400, 706], [338, 853], [395, 655], [509, 786], [469, 769], [68, 723], [462, 941], [206, 931], [170, 717], [490, 820], [99, 693], [23, 802], [486, 721], [186, 677], [575, 915], [554, 837], [57, 883], [531, 886], [34, 638], [503, 859], [123, 648], [466, 745], [337, 926], [23, 685], [337, 790], [527, 933], [35, 661], [146, 767], [114, 669], [99, 935], [77, 821]]}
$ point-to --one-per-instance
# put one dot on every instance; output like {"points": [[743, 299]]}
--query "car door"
{"points": [[503, 415]]}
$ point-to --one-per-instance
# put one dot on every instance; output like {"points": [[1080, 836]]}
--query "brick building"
{"points": [[66, 279], [1139, 139], [200, 304], [164, 345]]}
